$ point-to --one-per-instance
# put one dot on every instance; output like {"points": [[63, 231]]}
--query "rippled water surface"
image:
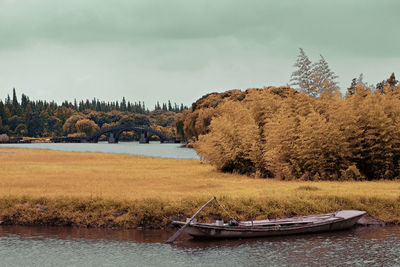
{"points": [[153, 149], [55, 246]]}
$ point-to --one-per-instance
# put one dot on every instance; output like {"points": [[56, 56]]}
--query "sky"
{"points": [[179, 50]]}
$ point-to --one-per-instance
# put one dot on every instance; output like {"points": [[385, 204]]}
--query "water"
{"points": [[153, 149], [57, 246]]}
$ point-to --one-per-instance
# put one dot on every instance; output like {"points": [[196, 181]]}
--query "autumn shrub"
{"points": [[86, 126], [230, 143], [69, 126], [4, 138]]}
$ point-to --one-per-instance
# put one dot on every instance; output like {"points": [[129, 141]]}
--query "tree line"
{"points": [[48, 119], [309, 132]]}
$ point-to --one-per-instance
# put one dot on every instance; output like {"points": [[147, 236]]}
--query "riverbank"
{"points": [[42, 187]]}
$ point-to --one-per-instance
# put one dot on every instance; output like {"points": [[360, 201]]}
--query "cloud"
{"points": [[363, 26], [179, 49]]}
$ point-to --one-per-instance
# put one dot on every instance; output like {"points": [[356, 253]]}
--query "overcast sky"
{"points": [[182, 49]]}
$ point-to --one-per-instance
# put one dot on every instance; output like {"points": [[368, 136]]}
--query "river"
{"points": [[57, 246], [153, 149]]}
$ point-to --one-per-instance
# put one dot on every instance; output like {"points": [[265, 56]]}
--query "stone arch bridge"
{"points": [[144, 133]]}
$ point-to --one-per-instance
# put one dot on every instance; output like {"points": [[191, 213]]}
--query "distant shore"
{"points": [[43, 187]]}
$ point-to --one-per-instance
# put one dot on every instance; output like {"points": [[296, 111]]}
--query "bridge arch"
{"points": [[143, 132]]}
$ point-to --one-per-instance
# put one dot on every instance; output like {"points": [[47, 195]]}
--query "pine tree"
{"points": [[380, 86], [351, 90], [360, 80], [14, 99], [362, 88], [123, 104], [8, 101], [323, 79], [392, 80], [390, 85], [3, 113], [24, 101], [301, 79]]}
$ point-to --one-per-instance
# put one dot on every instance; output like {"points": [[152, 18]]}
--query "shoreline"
{"points": [[146, 214], [154, 149]]}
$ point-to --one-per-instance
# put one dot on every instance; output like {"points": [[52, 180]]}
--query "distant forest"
{"points": [[27, 118]]}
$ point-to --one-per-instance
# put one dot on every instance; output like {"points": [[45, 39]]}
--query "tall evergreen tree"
{"points": [[352, 89], [8, 101], [24, 101], [380, 86], [14, 99], [391, 85], [301, 78], [392, 80], [323, 79], [123, 104], [3, 114]]}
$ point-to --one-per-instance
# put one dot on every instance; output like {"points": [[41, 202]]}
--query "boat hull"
{"points": [[274, 228]]}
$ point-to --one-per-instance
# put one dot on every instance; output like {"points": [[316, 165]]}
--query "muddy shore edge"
{"points": [[147, 214]]}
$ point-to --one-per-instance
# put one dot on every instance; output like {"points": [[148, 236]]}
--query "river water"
{"points": [[153, 149], [54, 246]]}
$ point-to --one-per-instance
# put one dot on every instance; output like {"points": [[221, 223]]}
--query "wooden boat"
{"points": [[340, 220]]}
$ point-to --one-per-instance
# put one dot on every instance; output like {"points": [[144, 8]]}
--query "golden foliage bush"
{"points": [[4, 138], [230, 146], [194, 122], [278, 132], [86, 126]]}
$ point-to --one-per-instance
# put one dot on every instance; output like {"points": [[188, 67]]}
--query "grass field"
{"points": [[99, 189]]}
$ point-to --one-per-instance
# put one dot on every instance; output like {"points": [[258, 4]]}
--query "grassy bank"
{"points": [[44, 187]]}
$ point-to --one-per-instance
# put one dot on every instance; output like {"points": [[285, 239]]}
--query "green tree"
{"points": [[14, 121], [53, 126], [15, 103], [34, 124], [141, 119], [21, 129], [3, 114]]}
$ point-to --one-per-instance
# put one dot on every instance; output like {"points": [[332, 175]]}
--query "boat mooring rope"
{"points": [[230, 216]]}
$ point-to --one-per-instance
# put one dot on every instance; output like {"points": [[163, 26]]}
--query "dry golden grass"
{"points": [[177, 186]]}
